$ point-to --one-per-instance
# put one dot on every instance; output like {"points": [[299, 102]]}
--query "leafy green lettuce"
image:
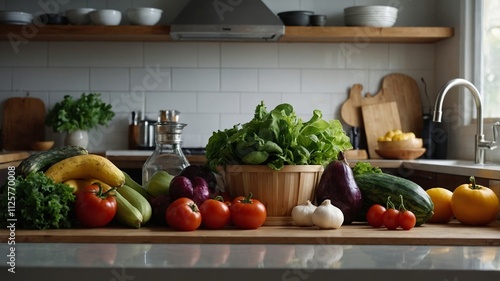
{"points": [[365, 168], [278, 138]]}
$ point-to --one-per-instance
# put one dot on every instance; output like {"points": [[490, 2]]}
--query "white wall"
{"points": [[214, 85]]}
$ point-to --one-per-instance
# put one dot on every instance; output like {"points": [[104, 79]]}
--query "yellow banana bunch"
{"points": [[89, 166]]}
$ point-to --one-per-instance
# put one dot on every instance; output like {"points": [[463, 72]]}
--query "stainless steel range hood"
{"points": [[226, 20]]}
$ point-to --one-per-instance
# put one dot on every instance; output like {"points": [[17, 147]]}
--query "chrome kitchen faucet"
{"points": [[480, 143]]}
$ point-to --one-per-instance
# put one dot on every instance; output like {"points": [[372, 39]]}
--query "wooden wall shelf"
{"points": [[346, 34], [330, 34]]}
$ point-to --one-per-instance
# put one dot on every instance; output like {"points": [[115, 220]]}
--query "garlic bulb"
{"points": [[302, 214], [327, 216]]}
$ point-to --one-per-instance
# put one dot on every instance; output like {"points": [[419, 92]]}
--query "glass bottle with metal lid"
{"points": [[168, 155]]}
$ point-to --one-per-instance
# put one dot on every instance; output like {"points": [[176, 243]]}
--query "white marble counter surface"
{"points": [[77, 261]]}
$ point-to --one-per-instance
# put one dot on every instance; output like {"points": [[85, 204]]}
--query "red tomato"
{"points": [[215, 214], [375, 214], [391, 219], [183, 214], [407, 219], [247, 213], [93, 207]]}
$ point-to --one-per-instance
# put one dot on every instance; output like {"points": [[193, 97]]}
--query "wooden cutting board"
{"points": [[379, 118], [23, 122], [396, 87], [453, 233]]}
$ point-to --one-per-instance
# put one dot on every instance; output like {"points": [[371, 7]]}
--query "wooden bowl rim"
{"points": [[417, 153], [266, 169]]}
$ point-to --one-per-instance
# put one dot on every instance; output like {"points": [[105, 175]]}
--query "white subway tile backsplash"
{"points": [[96, 54], [23, 53], [218, 102], [303, 55], [185, 102], [278, 6], [305, 103], [279, 80], [5, 78], [173, 54], [196, 79], [109, 79], [208, 54], [214, 85], [239, 80], [51, 79], [371, 56], [126, 102], [151, 79], [249, 101], [200, 123], [249, 55], [227, 121], [335, 16], [317, 81], [411, 56], [192, 140]]}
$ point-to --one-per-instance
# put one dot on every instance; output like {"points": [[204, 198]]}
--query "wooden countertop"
{"points": [[451, 234], [12, 158]]}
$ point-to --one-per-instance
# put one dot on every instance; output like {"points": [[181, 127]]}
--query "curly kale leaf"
{"points": [[39, 203]]}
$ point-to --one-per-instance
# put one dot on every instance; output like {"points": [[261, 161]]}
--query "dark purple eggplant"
{"points": [[204, 172], [337, 184], [180, 186], [200, 190]]}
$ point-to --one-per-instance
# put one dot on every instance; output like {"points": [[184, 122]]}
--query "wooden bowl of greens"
{"points": [[271, 142]]}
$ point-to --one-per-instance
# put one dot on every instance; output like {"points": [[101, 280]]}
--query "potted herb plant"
{"points": [[77, 116]]}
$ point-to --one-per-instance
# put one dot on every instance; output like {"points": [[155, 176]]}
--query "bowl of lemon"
{"points": [[396, 144]]}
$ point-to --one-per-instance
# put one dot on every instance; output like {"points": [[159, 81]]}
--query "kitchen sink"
{"points": [[456, 167], [446, 166], [461, 163]]}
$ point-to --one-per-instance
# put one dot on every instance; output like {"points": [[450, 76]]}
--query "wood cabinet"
{"points": [[308, 34]]}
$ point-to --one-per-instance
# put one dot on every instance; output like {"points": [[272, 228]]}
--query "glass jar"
{"points": [[168, 155]]}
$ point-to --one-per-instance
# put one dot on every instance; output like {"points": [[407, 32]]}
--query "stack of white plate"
{"points": [[8, 17], [376, 16]]}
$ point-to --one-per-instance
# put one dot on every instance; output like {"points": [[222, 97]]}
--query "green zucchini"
{"points": [[136, 186], [42, 160], [376, 188]]}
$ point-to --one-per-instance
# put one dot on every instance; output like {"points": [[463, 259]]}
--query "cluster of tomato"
{"points": [[243, 212], [390, 217]]}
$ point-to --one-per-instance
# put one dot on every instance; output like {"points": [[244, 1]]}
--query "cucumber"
{"points": [[375, 188], [126, 213], [42, 160], [138, 201]]}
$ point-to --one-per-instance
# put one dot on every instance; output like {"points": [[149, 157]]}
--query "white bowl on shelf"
{"points": [[79, 16], [375, 16], [105, 17], [144, 16], [19, 18]]}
